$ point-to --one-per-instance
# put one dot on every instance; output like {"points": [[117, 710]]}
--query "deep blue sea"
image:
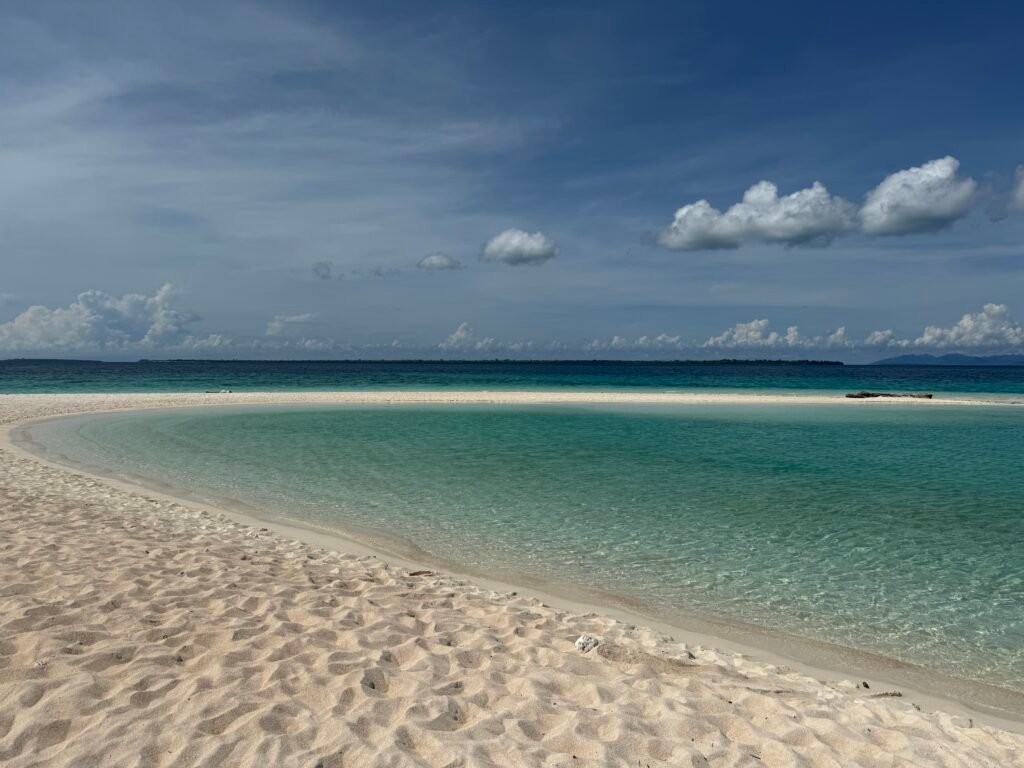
{"points": [[198, 376]]}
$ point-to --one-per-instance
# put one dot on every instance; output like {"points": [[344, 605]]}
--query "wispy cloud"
{"points": [[325, 270], [219, 150], [282, 323], [375, 271]]}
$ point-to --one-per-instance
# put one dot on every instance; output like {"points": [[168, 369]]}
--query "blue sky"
{"points": [[321, 179]]}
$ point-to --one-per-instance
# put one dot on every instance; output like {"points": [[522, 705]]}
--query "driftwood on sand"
{"points": [[863, 394]]}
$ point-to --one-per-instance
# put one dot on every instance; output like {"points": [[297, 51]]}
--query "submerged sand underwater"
{"points": [[138, 631]]}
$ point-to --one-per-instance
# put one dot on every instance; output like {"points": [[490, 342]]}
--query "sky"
{"points": [[656, 180]]}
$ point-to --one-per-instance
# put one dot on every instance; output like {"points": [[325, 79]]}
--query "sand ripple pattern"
{"points": [[139, 632]]}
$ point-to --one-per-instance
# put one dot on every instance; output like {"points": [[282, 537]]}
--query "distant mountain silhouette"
{"points": [[952, 359]]}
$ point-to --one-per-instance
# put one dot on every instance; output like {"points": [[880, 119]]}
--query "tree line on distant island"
{"points": [[921, 359]]}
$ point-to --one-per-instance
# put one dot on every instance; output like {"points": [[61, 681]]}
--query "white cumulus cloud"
{"points": [[661, 340], [925, 198], [836, 339], [757, 334], [616, 342], [464, 339], [211, 343], [98, 322], [516, 247], [805, 216], [994, 326], [437, 262], [879, 338]]}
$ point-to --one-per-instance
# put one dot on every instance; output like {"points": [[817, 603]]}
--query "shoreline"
{"points": [[781, 654], [822, 660], [515, 397]]}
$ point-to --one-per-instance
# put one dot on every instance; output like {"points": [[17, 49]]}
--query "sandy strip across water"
{"points": [[136, 629]]}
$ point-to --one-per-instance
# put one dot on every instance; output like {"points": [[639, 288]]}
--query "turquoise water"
{"points": [[892, 529], [198, 376]]}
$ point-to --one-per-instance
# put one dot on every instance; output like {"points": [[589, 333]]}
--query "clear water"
{"points": [[892, 529], [198, 376]]}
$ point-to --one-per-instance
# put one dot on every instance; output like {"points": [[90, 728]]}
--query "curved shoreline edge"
{"points": [[998, 707], [498, 397]]}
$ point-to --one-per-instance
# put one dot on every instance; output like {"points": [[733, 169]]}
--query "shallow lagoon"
{"points": [[894, 529]]}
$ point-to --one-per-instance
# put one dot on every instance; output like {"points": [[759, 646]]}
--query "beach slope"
{"points": [[137, 631]]}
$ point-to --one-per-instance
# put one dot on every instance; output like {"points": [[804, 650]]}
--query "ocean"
{"points": [[198, 376], [897, 530]]}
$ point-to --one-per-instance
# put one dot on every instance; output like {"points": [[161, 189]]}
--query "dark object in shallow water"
{"points": [[865, 394]]}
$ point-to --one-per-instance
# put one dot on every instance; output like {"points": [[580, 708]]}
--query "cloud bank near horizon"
{"points": [[994, 327], [99, 323]]}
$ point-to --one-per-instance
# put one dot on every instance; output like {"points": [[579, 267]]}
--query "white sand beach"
{"points": [[138, 630]]}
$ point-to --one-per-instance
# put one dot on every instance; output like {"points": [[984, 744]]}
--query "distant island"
{"points": [[414, 361], [513, 361], [952, 359]]}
